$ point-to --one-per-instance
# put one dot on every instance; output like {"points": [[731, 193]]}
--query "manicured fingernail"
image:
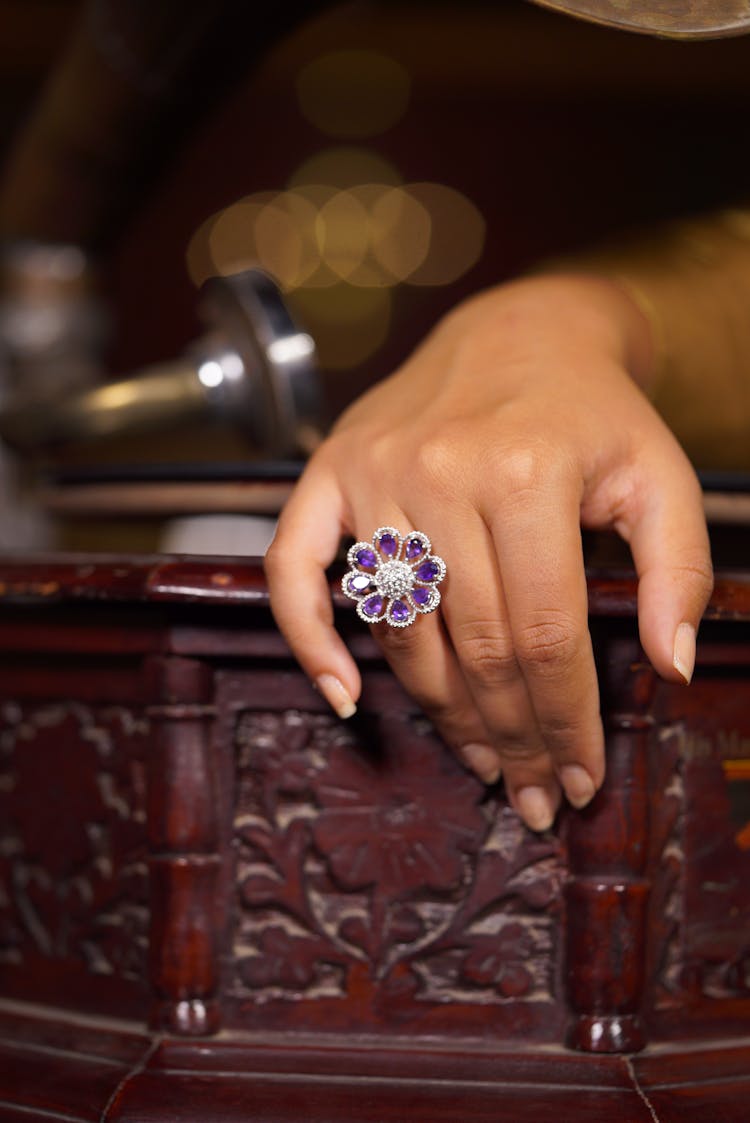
{"points": [[579, 787], [482, 760], [535, 808], [336, 694], [683, 656]]}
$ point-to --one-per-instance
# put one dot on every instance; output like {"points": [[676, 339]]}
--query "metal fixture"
{"points": [[254, 368]]}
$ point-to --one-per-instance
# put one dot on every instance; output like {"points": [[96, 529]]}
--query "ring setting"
{"points": [[394, 577]]}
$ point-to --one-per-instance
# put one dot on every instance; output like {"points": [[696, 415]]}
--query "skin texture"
{"points": [[521, 418]]}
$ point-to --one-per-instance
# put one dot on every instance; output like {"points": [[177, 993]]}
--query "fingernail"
{"points": [[482, 760], [579, 787], [535, 808], [683, 656], [336, 694]]}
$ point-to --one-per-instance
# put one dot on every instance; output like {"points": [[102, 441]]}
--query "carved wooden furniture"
{"points": [[220, 903]]}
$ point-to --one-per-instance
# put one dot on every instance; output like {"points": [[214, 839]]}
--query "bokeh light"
{"points": [[225, 243], [343, 233], [353, 94], [372, 235], [338, 239], [285, 238], [458, 234], [345, 166], [401, 232]]}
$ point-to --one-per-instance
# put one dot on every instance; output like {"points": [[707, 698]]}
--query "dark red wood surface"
{"points": [[192, 845], [47, 578]]}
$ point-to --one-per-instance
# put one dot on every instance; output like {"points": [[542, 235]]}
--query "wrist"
{"points": [[597, 310], [638, 328]]}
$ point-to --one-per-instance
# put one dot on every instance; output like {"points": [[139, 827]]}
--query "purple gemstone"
{"points": [[399, 611], [388, 545], [373, 606], [414, 547], [420, 595], [366, 558], [428, 571], [358, 583]]}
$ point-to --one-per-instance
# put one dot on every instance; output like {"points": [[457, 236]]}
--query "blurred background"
{"points": [[380, 161]]}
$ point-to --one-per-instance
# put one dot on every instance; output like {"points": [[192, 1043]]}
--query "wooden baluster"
{"points": [[183, 834], [607, 893]]}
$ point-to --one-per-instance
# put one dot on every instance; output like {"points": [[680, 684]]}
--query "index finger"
{"points": [[306, 542]]}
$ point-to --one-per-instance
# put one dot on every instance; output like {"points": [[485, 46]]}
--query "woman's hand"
{"points": [[518, 421]]}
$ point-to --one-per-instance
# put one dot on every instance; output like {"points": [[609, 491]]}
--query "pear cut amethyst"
{"points": [[399, 611], [373, 606], [421, 595], [367, 558], [428, 570], [388, 545], [414, 547], [358, 583]]}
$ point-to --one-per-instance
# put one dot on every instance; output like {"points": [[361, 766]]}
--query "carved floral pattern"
{"points": [[667, 859], [394, 859], [73, 876], [395, 833], [704, 953]]}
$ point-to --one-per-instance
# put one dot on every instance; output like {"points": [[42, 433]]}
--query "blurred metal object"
{"points": [[51, 324], [253, 369], [689, 19]]}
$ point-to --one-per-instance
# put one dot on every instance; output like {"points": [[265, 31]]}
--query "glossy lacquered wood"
{"points": [[221, 903]]}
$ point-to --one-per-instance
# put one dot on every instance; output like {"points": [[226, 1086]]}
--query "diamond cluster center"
{"points": [[394, 579]]}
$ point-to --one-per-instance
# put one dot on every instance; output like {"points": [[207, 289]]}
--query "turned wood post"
{"points": [[184, 859], [606, 896]]}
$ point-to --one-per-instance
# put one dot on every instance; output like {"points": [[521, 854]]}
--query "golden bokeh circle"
{"points": [[458, 234], [345, 166], [353, 94], [400, 232]]}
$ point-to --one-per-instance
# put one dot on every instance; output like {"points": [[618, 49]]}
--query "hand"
{"points": [[518, 421]]}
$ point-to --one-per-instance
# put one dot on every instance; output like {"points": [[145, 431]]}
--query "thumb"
{"points": [[669, 541]]}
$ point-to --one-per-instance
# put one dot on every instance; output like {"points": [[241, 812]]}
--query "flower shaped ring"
{"points": [[393, 578]]}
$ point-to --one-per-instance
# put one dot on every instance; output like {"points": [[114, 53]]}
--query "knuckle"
{"points": [[516, 748], [379, 446], [447, 715], [486, 652], [530, 470], [698, 573], [436, 459], [560, 731], [400, 646], [273, 562], [551, 643]]}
